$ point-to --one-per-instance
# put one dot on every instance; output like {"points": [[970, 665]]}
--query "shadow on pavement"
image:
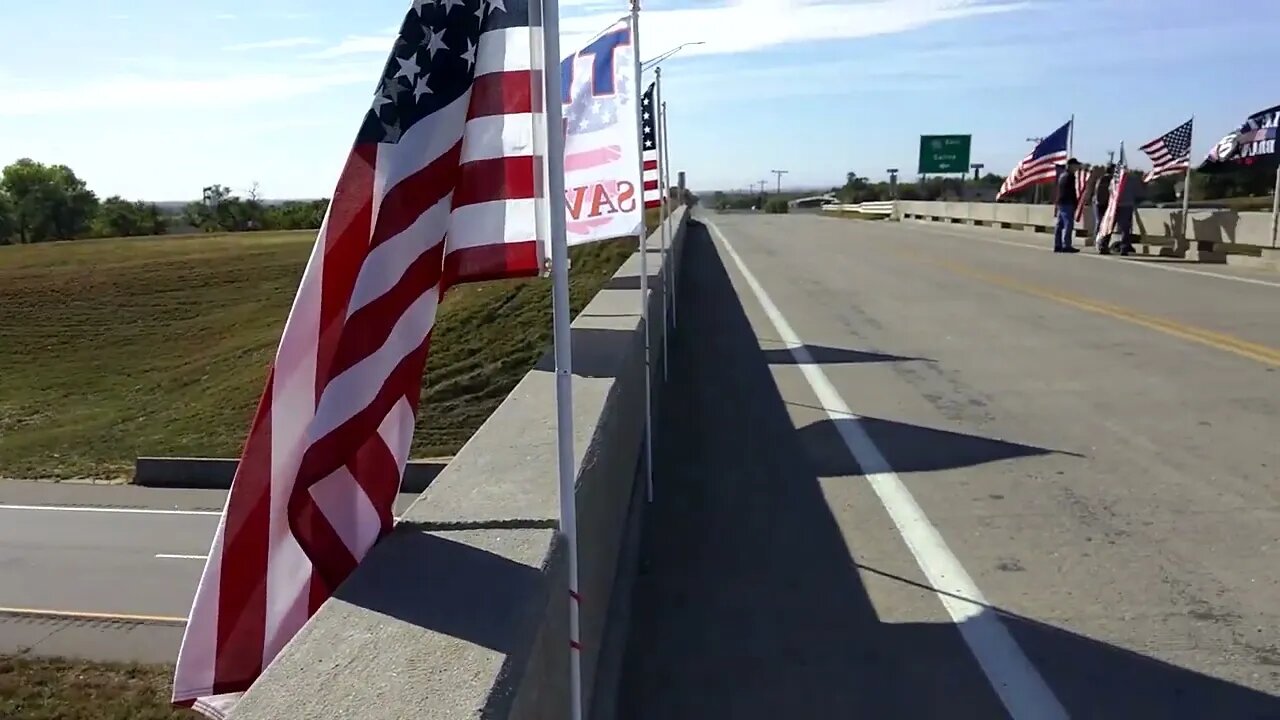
{"points": [[824, 355], [906, 447], [749, 605]]}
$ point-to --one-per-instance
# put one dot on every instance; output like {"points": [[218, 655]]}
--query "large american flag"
{"points": [[649, 148], [439, 188], [1170, 153], [1039, 166]]}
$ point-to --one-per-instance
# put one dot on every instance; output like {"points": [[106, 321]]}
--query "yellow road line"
{"points": [[1227, 343], [105, 617]]}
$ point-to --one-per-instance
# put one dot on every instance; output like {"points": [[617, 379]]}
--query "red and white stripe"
{"points": [[453, 201], [1082, 188], [652, 182], [1032, 171], [1107, 223]]}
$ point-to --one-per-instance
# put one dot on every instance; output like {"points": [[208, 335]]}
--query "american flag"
{"points": [[1170, 153], [439, 188], [1107, 223], [1039, 166], [1082, 189], [649, 146]]}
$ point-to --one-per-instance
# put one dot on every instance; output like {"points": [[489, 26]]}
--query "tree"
{"points": [[7, 222], [49, 201], [118, 217]]}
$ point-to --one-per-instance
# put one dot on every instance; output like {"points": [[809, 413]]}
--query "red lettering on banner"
{"points": [[626, 196], [599, 199], [574, 206]]}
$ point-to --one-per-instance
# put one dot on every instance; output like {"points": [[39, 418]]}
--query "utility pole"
{"points": [[976, 167], [779, 174], [763, 184], [1036, 140], [893, 182]]}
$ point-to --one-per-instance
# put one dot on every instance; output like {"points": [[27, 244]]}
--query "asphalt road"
{"points": [[991, 482], [99, 571]]}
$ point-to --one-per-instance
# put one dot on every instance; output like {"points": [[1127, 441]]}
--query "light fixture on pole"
{"points": [[650, 63], [975, 168], [893, 182]]}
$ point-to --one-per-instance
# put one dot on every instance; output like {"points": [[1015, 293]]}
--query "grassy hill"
{"points": [[110, 349]]}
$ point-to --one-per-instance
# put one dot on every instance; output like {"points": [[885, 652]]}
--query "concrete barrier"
{"points": [[1213, 236], [217, 473], [461, 612]]}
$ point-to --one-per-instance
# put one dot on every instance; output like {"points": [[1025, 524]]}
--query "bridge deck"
{"points": [[1087, 442]]}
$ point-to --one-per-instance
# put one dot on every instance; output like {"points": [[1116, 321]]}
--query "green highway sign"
{"points": [[944, 154]]}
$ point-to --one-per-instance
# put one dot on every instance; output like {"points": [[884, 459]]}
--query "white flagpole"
{"points": [[664, 156], [563, 342], [1186, 187], [644, 257], [662, 209]]}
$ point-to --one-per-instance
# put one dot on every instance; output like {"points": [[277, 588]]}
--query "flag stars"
{"points": [[469, 54], [418, 5], [451, 4], [408, 67], [421, 88], [435, 43]]}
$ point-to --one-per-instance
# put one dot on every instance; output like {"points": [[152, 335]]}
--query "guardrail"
{"points": [[884, 208], [1210, 236]]}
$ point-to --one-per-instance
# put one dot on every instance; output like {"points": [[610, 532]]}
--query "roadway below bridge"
{"points": [[104, 572], [911, 471]]}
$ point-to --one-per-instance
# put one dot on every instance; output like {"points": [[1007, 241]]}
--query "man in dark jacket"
{"points": [[1064, 206]]}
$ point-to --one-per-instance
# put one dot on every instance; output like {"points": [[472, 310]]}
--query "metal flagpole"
{"points": [[664, 157], [662, 208], [1275, 209], [563, 343], [644, 261], [1186, 187], [1071, 135]]}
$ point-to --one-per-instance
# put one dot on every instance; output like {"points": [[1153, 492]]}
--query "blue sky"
{"points": [[154, 99]]}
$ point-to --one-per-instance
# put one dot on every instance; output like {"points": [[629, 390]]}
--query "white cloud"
{"points": [[738, 26], [136, 92], [752, 25], [292, 42]]}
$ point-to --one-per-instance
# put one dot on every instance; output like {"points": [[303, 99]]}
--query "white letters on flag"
{"points": [[601, 160]]}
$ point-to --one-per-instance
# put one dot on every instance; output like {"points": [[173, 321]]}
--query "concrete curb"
{"points": [[217, 473]]}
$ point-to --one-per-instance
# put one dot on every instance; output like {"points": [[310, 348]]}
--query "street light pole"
{"points": [[650, 63], [893, 182], [779, 174]]}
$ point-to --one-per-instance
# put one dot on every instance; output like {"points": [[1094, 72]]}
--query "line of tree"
{"points": [[39, 203]]}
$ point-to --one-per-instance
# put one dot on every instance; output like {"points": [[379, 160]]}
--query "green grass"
{"points": [[43, 689], [111, 349]]}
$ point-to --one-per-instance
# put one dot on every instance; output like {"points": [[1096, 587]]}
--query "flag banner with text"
{"points": [[1253, 144], [601, 144]]}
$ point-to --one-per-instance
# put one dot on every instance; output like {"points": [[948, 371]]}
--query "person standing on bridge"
{"points": [[1064, 203], [1101, 200]]}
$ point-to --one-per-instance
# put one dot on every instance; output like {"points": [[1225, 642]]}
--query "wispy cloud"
{"points": [[740, 25], [752, 25], [291, 42], [130, 92]]}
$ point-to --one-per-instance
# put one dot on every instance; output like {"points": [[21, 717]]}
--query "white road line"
{"points": [[110, 510], [1153, 266], [165, 556], [1013, 677]]}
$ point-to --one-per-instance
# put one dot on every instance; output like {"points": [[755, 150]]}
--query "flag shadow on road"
{"points": [[906, 447], [750, 602], [824, 355]]}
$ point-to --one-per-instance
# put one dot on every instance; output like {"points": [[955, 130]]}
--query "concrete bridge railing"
{"points": [[462, 611], [1212, 235]]}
